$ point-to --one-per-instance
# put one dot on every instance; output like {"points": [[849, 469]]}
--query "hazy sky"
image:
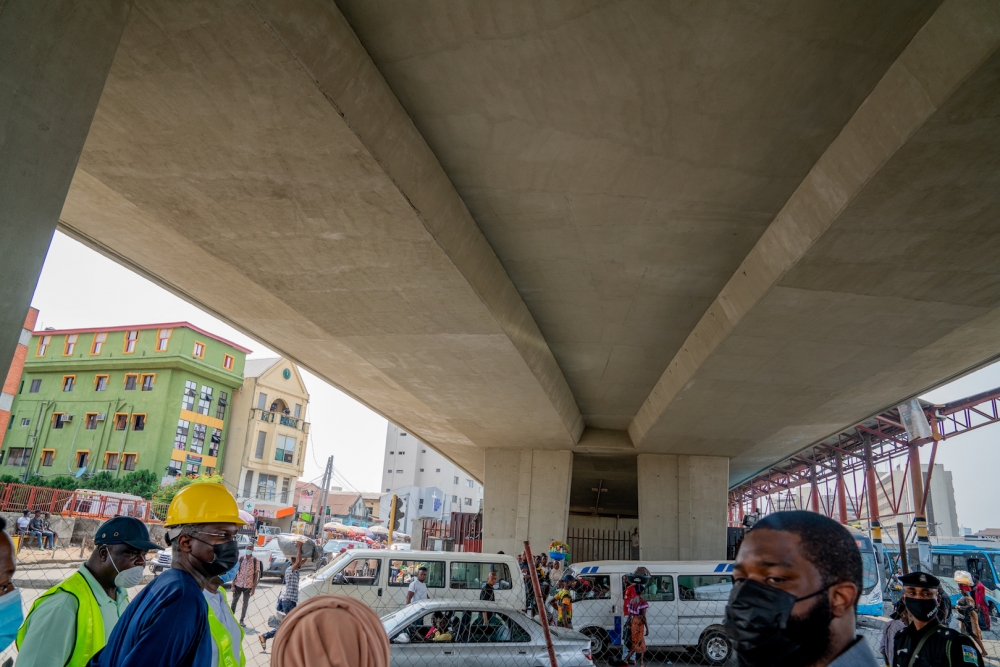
{"points": [[76, 278]]}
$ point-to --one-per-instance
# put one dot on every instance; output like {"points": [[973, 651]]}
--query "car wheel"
{"points": [[714, 648], [600, 642], [993, 611]]}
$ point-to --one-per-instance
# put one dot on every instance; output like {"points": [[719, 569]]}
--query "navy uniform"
{"points": [[934, 645]]}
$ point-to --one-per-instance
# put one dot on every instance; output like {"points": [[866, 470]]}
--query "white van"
{"points": [[380, 578], [687, 603]]}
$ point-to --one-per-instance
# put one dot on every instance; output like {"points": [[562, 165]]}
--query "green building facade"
{"points": [[154, 397]]}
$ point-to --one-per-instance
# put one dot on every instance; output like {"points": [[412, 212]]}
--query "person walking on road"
{"points": [[167, 625], [969, 617], [979, 595], [290, 597], [638, 578], [925, 642], [638, 628], [249, 571], [71, 621]]}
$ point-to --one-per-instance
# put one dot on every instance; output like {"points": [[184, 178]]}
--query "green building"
{"points": [[152, 397]]}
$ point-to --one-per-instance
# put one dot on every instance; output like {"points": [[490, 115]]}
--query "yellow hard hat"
{"points": [[203, 502]]}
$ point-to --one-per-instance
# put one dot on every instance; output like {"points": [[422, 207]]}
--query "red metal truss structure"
{"points": [[840, 473]]}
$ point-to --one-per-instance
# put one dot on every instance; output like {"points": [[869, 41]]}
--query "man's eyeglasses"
{"points": [[224, 536]]}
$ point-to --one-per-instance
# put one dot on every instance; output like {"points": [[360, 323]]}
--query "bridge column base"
{"points": [[683, 503], [525, 497]]}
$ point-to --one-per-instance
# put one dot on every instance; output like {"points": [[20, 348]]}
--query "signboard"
{"points": [[306, 500], [193, 458], [306, 516], [248, 505], [437, 504]]}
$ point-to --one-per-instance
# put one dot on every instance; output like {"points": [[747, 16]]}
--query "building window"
{"points": [[163, 339], [100, 383], [205, 400], [47, 457], [138, 422], [58, 419], [36, 385], [99, 340], [456, 480], [220, 409], [423, 451], [261, 437], [469, 483], [421, 470], [90, 421], [130, 382], [68, 382], [174, 468], [18, 456], [227, 362], [401, 452], [387, 490], [454, 499], [214, 442], [399, 472], [403, 434], [420, 504], [43, 346], [131, 338], [437, 469], [284, 489], [248, 484], [70, 344], [262, 401], [147, 382], [468, 501], [111, 461], [192, 468], [190, 392], [265, 486], [199, 350], [82, 459], [25, 422], [198, 438], [180, 436], [298, 411], [128, 461], [285, 449], [121, 421], [389, 471], [391, 453]]}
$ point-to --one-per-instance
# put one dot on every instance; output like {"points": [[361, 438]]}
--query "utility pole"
{"points": [[327, 477]]}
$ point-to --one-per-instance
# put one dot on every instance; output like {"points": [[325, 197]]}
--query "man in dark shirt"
{"points": [[925, 642]]}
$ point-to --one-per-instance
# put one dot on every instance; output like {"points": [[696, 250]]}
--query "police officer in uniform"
{"points": [[925, 642]]}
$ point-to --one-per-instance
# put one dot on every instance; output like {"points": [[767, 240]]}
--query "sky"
{"points": [[354, 435], [65, 296]]}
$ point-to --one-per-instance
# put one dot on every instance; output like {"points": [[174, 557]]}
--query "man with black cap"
{"points": [[72, 621], [925, 642]]}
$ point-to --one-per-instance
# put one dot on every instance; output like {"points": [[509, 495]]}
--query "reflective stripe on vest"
{"points": [[89, 622], [223, 640]]}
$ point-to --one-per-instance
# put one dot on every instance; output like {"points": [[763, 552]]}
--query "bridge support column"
{"points": [[682, 507], [525, 497]]}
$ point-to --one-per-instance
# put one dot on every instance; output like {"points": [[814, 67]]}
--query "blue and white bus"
{"points": [[980, 559], [870, 602]]}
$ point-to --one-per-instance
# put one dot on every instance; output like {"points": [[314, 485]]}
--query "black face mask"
{"points": [[226, 555], [922, 610], [759, 621]]}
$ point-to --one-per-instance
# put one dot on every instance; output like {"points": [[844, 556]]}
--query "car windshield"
{"points": [[869, 571], [395, 620], [327, 570]]}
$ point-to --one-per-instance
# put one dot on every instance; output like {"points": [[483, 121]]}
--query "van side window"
{"points": [[705, 586], [593, 587], [474, 575], [402, 572], [360, 572], [659, 589]]}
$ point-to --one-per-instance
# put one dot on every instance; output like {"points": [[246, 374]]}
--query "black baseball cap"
{"points": [[920, 580], [125, 530]]}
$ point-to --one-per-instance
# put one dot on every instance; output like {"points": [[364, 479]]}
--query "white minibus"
{"points": [[380, 578], [687, 603]]}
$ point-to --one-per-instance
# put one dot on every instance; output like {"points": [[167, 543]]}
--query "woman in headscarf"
{"points": [[637, 607], [331, 631]]}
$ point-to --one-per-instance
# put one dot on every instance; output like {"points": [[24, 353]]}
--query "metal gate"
{"points": [[587, 544]]}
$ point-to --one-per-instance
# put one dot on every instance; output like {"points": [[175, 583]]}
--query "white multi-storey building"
{"points": [[411, 463]]}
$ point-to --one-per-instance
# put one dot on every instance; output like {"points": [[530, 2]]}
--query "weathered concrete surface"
{"points": [[737, 229], [54, 58]]}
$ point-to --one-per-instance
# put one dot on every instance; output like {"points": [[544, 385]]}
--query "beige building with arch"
{"points": [[266, 448]]}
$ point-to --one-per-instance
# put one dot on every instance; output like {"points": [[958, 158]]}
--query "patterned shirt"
{"points": [[246, 576], [291, 585]]}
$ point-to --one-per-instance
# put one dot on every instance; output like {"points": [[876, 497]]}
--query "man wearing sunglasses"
{"points": [[71, 621], [167, 623]]}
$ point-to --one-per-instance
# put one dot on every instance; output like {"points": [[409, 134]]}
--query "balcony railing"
{"points": [[284, 420]]}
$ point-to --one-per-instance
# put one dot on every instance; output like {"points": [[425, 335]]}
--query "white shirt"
{"points": [[225, 616], [22, 523], [419, 590]]}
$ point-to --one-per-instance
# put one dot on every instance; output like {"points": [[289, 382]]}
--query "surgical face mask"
{"points": [[11, 617], [231, 574], [760, 623], [128, 578], [226, 556], [920, 609]]}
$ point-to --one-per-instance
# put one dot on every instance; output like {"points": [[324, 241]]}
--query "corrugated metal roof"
{"points": [[254, 368]]}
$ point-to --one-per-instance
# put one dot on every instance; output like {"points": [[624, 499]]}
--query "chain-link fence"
{"points": [[459, 625]]}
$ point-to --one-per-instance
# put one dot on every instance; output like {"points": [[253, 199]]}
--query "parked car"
{"points": [[161, 561], [332, 547], [275, 563], [483, 633]]}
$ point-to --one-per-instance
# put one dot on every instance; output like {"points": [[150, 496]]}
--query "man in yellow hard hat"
{"points": [[167, 625]]}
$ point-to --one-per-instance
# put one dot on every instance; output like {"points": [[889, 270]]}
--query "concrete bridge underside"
{"points": [[699, 236]]}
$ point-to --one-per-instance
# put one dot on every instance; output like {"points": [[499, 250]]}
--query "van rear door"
{"points": [[702, 602]]}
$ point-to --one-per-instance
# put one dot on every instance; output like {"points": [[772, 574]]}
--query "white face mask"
{"points": [[127, 579]]}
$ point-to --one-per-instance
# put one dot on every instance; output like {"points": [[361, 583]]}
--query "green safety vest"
{"points": [[223, 640], [89, 622]]}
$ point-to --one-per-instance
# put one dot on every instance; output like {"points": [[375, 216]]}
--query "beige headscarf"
{"points": [[331, 631]]}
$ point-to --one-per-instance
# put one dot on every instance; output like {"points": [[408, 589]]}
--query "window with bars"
{"points": [[266, 486], [198, 438], [220, 409], [190, 393], [214, 442], [180, 436], [205, 400]]}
